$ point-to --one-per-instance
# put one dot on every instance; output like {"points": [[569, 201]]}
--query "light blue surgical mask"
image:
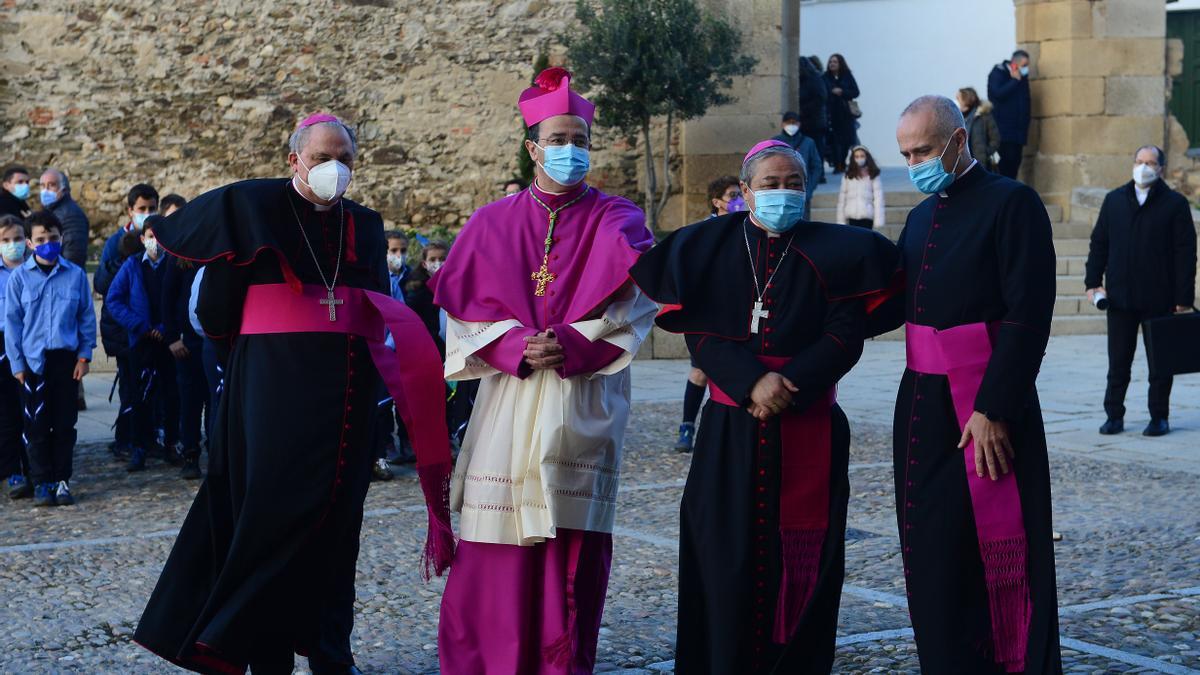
{"points": [[139, 220], [1024, 71], [13, 250], [565, 164], [48, 197], [779, 210], [930, 176], [21, 191]]}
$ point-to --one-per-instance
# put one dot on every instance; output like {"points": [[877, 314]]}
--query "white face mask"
{"points": [[861, 162], [1144, 175], [433, 266], [152, 247], [791, 129], [395, 263], [327, 180]]}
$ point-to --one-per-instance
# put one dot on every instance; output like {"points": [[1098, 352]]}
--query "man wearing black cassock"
{"points": [[774, 310], [971, 471], [264, 564]]}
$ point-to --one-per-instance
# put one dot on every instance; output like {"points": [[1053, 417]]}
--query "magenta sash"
{"points": [[416, 384], [805, 458], [961, 354]]}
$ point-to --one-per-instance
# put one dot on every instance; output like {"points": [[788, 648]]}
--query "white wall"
{"points": [[896, 56], [1183, 5]]}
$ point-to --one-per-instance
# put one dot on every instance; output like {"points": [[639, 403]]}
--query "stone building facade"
{"points": [[193, 94]]}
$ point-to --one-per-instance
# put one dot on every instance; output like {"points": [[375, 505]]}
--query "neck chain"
{"points": [[330, 301], [543, 276], [758, 312]]}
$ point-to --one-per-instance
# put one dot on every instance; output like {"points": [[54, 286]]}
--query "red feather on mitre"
{"points": [[551, 79]]}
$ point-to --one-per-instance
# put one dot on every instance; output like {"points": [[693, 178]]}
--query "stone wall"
{"points": [[189, 95], [1099, 90]]}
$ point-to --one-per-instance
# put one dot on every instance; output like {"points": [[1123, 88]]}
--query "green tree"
{"points": [[524, 163], [644, 59]]}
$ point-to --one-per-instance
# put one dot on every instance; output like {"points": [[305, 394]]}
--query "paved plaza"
{"points": [[74, 579]]}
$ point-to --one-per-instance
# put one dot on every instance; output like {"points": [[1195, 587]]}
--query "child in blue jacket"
{"points": [[135, 300]]}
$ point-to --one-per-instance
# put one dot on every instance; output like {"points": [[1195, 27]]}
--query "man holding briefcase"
{"points": [[1141, 264]]}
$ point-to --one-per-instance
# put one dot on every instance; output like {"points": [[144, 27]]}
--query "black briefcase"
{"points": [[1173, 343]]}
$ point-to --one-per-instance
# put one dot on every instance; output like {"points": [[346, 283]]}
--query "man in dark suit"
{"points": [[1008, 90], [1142, 260]]}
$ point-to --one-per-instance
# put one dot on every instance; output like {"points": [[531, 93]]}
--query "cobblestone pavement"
{"points": [[75, 579]]}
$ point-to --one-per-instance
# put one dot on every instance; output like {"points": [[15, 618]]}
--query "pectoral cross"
{"points": [[332, 303], [757, 313], [543, 276]]}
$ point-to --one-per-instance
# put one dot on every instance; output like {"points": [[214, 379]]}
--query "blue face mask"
{"points": [[1024, 71], [21, 191], [48, 197], [930, 176], [13, 250], [565, 164], [779, 210], [49, 251], [139, 220]]}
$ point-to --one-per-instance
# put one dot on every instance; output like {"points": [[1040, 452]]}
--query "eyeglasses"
{"points": [[560, 141]]}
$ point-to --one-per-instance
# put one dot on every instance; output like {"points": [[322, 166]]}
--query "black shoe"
{"points": [[191, 467], [687, 436], [1112, 426], [1158, 427], [137, 460], [18, 487], [380, 470], [43, 494], [62, 494]]}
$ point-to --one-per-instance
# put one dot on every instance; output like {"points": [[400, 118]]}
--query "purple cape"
{"points": [[487, 275]]}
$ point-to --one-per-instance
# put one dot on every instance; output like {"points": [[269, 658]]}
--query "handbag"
{"points": [[1173, 343], [855, 110]]}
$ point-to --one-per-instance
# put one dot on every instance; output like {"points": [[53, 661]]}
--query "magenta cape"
{"points": [[596, 241]]}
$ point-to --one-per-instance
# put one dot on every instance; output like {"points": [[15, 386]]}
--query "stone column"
{"points": [[1099, 90], [715, 143]]}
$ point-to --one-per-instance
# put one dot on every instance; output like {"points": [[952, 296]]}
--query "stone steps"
{"points": [[824, 209]]}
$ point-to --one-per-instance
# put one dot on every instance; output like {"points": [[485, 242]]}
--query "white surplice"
{"points": [[543, 452]]}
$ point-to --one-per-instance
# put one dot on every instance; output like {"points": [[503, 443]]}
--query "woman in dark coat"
{"points": [[843, 127], [982, 132]]}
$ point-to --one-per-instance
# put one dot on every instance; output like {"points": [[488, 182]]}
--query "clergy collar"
{"points": [[317, 207], [1151, 188], [554, 200], [969, 176]]}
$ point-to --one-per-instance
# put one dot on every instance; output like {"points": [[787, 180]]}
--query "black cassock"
{"points": [[983, 253], [730, 557], [264, 564]]}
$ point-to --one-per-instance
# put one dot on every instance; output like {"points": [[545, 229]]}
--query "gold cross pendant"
{"points": [[543, 277]]}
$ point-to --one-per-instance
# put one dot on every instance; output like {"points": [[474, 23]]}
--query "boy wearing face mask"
{"points": [[15, 192], [813, 166], [49, 335], [135, 301], [141, 202], [420, 298], [14, 463]]}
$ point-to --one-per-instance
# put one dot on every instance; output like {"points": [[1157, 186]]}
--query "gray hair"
{"points": [[752, 163], [299, 137], [62, 177], [1162, 156], [947, 118]]}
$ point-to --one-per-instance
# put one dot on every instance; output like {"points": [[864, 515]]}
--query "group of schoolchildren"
{"points": [[169, 377], [410, 286]]}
